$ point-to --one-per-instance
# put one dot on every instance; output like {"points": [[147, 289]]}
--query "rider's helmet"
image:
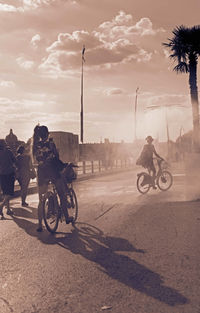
{"points": [[149, 139]]}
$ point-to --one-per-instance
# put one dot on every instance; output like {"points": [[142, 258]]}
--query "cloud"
{"points": [[74, 42], [26, 5], [113, 42], [113, 91], [35, 40], [168, 100], [26, 64], [5, 83], [122, 26], [9, 8]]}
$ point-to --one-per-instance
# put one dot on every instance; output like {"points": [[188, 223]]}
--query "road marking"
{"points": [[104, 212]]}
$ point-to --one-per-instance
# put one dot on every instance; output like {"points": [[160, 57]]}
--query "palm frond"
{"points": [[181, 67]]}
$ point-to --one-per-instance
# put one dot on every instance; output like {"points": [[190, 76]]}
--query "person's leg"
{"points": [[61, 190], [7, 204], [24, 190], [153, 170], [41, 191], [8, 192]]}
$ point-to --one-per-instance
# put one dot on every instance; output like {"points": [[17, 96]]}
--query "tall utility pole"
{"points": [[135, 124], [167, 129], [81, 113]]}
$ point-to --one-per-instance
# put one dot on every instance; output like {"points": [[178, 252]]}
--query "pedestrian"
{"points": [[7, 176], [49, 168], [24, 172]]}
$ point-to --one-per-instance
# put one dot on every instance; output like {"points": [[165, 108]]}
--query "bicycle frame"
{"points": [[159, 171], [163, 179]]}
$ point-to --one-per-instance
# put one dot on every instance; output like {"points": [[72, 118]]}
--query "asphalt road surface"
{"points": [[128, 253]]}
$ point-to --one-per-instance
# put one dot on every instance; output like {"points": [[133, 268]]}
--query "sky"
{"points": [[41, 44]]}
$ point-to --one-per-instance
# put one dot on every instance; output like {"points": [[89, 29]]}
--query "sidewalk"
{"points": [[33, 185]]}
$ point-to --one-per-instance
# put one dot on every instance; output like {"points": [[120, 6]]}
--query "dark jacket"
{"points": [[7, 161]]}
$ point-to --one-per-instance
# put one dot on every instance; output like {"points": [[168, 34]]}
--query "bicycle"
{"points": [[52, 210], [163, 179]]}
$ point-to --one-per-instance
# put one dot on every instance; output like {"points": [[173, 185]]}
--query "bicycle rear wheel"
{"points": [[73, 209], [164, 180], [51, 211], [143, 183]]}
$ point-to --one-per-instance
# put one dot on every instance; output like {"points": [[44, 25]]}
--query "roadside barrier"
{"points": [[87, 170]]}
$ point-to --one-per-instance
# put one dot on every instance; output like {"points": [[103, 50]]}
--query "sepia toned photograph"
{"points": [[99, 156]]}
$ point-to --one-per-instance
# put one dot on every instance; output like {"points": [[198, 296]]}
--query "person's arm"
{"points": [[30, 163], [156, 154], [54, 149], [12, 157]]}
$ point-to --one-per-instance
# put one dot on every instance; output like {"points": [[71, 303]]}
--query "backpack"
{"points": [[68, 173]]}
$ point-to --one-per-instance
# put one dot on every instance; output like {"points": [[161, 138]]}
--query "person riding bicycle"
{"points": [[49, 168], [146, 158]]}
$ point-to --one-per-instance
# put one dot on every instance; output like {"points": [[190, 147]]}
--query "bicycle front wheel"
{"points": [[164, 180], [143, 184], [73, 209], [51, 211]]}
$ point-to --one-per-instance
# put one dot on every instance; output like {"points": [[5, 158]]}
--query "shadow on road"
{"points": [[28, 212], [91, 243]]}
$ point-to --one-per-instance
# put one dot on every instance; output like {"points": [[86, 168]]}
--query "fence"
{"points": [[97, 166], [88, 168]]}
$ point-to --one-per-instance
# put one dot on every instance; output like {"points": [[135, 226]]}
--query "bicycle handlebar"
{"points": [[72, 164]]}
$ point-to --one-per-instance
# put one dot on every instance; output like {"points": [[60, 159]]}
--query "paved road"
{"points": [[127, 254]]}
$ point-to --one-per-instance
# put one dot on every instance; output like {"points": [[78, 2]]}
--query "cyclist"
{"points": [[146, 158], [48, 169]]}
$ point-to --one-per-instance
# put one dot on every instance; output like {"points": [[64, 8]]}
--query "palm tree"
{"points": [[185, 49]]}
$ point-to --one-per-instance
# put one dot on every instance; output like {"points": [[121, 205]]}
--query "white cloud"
{"points": [[113, 42], [168, 100], [5, 83], [26, 5], [75, 41], [166, 53], [9, 8], [122, 26], [26, 64], [113, 91], [34, 4], [35, 40], [144, 56]]}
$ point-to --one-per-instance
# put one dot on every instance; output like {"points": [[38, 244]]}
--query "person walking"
{"points": [[49, 169], [24, 169], [7, 176]]}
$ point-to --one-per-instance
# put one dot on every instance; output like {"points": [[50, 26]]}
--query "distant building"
{"points": [[11, 139], [67, 145], [13, 142]]}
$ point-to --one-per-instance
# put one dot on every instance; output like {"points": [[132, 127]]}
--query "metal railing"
{"points": [[97, 166], [88, 168]]}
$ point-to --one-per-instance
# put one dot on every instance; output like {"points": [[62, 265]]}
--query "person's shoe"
{"points": [[154, 187], [39, 229], [1, 212], [68, 204], [9, 212], [24, 204], [69, 220]]}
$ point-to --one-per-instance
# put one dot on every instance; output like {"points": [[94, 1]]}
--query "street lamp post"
{"points": [[136, 96], [81, 113]]}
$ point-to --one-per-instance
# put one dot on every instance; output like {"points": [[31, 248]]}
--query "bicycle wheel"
{"points": [[164, 180], [73, 209], [51, 211], [143, 182]]}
